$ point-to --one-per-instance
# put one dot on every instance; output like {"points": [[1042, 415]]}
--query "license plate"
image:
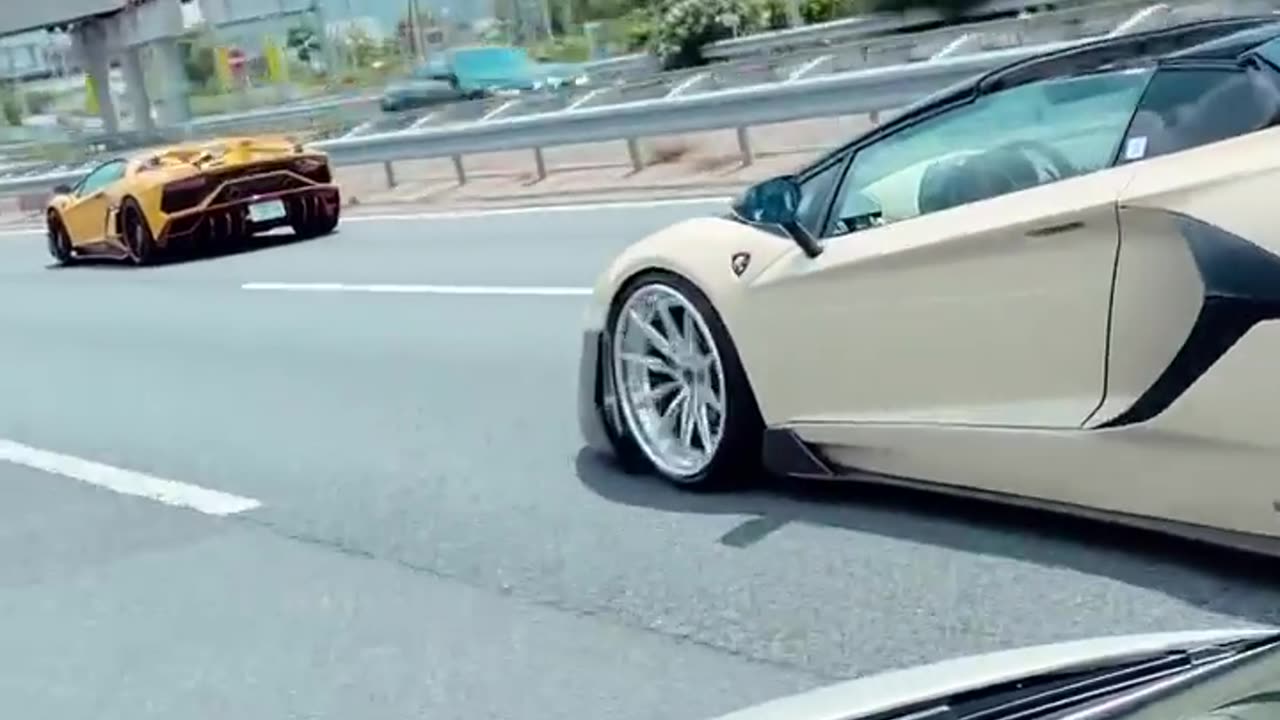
{"points": [[269, 210]]}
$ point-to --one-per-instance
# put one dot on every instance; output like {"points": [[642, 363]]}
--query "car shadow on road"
{"points": [[212, 251], [1206, 577]]}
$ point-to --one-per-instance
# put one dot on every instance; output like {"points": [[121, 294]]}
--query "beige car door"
{"points": [[977, 288]]}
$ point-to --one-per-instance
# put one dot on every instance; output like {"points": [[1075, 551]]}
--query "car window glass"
{"points": [[1270, 51], [1012, 140], [103, 176], [815, 193], [1188, 107]]}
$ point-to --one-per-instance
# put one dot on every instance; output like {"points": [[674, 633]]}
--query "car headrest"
{"points": [[942, 185]]}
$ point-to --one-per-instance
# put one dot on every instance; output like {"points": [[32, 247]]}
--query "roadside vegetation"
{"points": [[675, 30], [304, 64]]}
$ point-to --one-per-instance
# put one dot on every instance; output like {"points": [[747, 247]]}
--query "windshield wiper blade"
{"points": [[1041, 695], [1053, 694]]}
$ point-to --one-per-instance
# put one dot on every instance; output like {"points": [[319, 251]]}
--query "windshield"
{"points": [[1064, 127]]}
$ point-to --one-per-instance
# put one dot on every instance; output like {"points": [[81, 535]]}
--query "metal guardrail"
{"points": [[862, 91], [637, 76], [870, 90], [495, 126], [762, 67], [866, 26], [814, 35], [621, 80]]}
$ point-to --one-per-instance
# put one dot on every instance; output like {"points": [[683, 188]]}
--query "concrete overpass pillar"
{"points": [[90, 39], [174, 103], [136, 87]]}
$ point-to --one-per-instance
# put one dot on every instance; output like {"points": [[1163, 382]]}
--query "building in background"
{"points": [[35, 55], [388, 13]]}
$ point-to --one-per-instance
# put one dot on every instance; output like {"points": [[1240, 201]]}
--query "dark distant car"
{"points": [[475, 72], [1200, 675]]}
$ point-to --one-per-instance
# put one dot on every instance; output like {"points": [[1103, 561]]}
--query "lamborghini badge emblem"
{"points": [[740, 262]]}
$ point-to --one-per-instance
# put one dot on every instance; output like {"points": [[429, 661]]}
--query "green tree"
{"points": [[683, 27], [949, 9], [303, 41], [39, 101], [817, 11], [199, 60], [11, 107], [364, 49], [640, 28], [584, 10]]}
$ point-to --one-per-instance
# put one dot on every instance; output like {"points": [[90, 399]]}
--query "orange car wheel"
{"points": [[137, 234], [59, 239]]}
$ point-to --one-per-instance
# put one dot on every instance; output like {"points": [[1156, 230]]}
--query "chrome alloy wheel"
{"points": [[670, 380]]}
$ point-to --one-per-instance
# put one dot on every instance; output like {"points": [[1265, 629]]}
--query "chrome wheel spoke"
{"points": [[704, 423], [686, 419], [713, 402], [657, 392], [670, 380], [649, 362], [655, 338], [675, 411], [668, 322]]}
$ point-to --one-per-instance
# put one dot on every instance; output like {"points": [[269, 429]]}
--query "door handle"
{"points": [[1055, 229]]}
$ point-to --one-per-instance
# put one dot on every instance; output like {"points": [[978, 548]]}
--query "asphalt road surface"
{"points": [[375, 505]]}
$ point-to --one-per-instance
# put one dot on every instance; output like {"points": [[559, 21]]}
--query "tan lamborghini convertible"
{"points": [[1057, 284]]}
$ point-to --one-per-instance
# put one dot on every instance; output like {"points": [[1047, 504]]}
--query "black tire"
{"points": [[137, 233], [318, 221], [59, 240], [736, 461]]}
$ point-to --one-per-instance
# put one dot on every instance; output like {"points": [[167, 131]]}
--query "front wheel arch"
{"points": [[737, 460]]}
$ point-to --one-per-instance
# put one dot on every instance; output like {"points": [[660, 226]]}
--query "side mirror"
{"points": [[777, 202], [62, 189]]}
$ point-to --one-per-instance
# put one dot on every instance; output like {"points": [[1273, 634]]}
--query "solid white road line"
{"points": [[486, 212], [526, 209], [126, 482], [419, 289]]}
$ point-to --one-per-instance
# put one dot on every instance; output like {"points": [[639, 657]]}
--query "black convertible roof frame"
{"points": [[1201, 40], [1214, 40]]}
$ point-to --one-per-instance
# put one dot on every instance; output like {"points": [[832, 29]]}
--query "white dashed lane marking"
{"points": [[518, 290], [126, 482]]}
